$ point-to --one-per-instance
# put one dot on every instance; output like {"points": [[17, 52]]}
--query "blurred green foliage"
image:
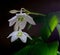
{"points": [[39, 46], [49, 26]]}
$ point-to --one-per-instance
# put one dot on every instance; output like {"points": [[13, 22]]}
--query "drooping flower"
{"points": [[19, 34], [20, 20]]}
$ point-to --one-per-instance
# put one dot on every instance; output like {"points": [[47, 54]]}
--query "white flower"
{"points": [[19, 34], [20, 20]]}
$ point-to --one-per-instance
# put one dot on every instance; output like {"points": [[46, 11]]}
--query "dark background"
{"points": [[41, 6]]}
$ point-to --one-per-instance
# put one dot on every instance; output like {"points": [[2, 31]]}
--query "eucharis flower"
{"points": [[20, 20], [19, 34]]}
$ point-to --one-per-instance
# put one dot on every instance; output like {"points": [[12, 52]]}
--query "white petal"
{"points": [[23, 38], [27, 35], [29, 19], [20, 14], [16, 26], [12, 34], [22, 24], [13, 38], [12, 20]]}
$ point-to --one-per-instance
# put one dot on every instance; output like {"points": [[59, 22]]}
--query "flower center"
{"points": [[21, 19], [19, 34]]}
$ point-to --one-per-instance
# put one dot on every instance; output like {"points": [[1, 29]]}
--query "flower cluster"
{"points": [[19, 21]]}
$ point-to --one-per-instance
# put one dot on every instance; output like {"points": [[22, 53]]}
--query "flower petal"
{"points": [[12, 34], [29, 19], [12, 20], [16, 26], [27, 35], [9, 35], [13, 38], [22, 24], [23, 38]]}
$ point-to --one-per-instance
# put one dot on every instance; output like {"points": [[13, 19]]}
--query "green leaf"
{"points": [[39, 48], [53, 48], [24, 51], [45, 32], [36, 49], [43, 48], [49, 26], [57, 13], [53, 22]]}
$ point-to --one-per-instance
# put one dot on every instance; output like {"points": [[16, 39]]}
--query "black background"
{"points": [[42, 6]]}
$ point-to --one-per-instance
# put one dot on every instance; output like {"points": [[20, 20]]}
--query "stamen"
{"points": [[20, 19], [19, 34]]}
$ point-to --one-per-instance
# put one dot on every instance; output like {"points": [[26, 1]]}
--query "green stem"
{"points": [[29, 26], [37, 13], [28, 12]]}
